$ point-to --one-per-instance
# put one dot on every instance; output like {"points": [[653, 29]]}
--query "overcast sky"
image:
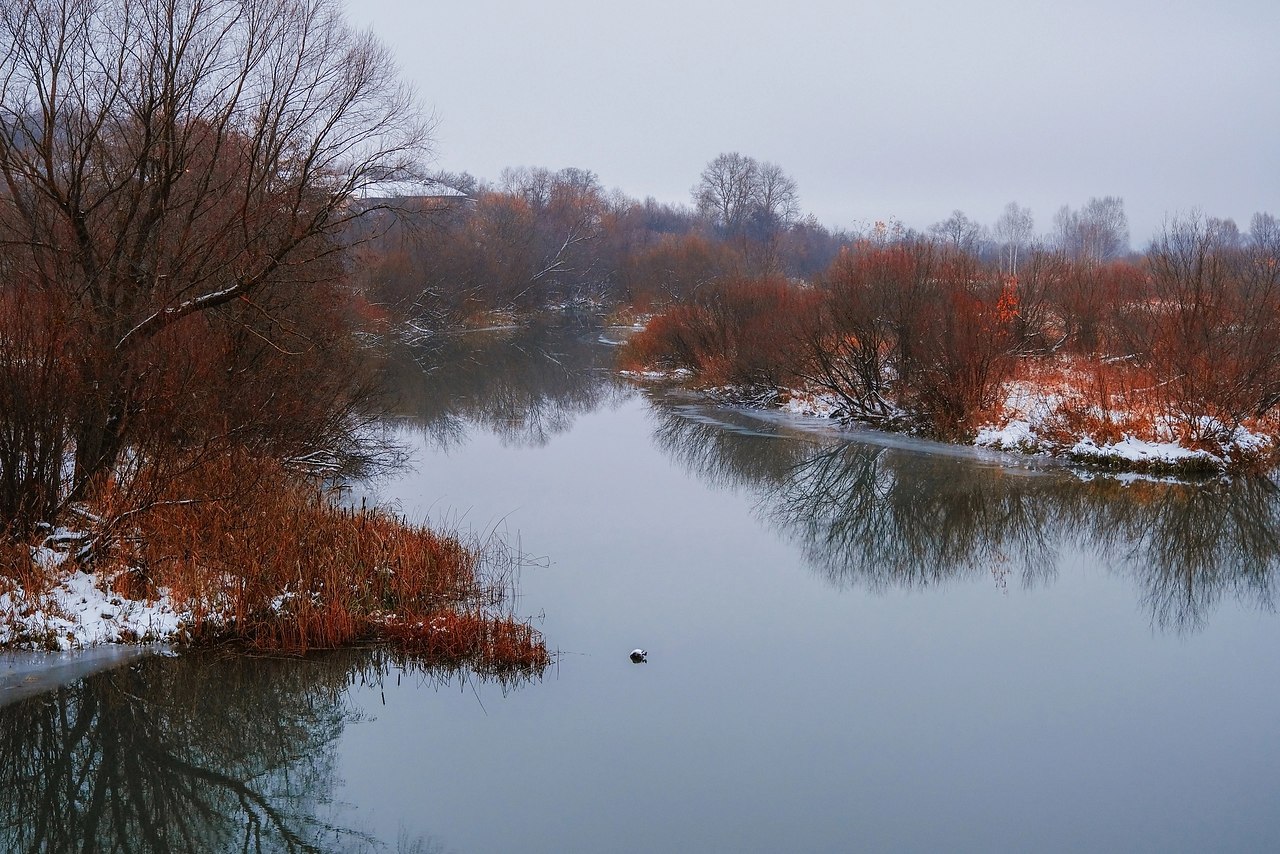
{"points": [[886, 109]]}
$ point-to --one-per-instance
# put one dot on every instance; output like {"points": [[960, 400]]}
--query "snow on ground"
{"points": [[77, 613], [815, 404], [1136, 450], [1032, 423], [1016, 435], [1033, 419], [659, 376], [1031, 402]]}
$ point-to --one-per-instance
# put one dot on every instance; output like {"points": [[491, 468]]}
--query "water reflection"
{"points": [[203, 753], [524, 384], [881, 518]]}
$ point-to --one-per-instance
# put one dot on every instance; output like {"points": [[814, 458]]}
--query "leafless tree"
{"points": [[958, 232], [751, 203], [1213, 340], [162, 159], [777, 200], [1014, 231], [727, 189], [1097, 233]]}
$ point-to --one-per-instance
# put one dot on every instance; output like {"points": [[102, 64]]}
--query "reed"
{"points": [[261, 556], [482, 642]]}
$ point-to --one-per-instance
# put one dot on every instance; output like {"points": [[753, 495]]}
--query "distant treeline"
{"points": [[539, 237]]}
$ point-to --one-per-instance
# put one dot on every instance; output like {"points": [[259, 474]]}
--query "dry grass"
{"points": [[15, 564], [1109, 399], [485, 644], [264, 558]]}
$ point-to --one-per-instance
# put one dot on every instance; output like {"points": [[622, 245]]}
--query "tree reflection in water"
{"points": [[525, 384], [880, 518], [202, 753]]}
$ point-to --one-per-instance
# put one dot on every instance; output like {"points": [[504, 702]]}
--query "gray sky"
{"points": [[887, 109]]}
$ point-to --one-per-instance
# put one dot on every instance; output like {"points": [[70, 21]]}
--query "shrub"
{"points": [[745, 332]]}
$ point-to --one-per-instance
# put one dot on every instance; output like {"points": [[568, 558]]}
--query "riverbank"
{"points": [[1038, 419], [269, 562]]}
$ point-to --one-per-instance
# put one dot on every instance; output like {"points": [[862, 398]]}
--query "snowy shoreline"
{"points": [[79, 610], [1027, 429]]}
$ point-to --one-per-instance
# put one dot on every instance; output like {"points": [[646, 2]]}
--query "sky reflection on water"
{"points": [[852, 647]]}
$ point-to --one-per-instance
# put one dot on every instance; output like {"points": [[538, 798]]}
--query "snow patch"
{"points": [[659, 376], [1017, 435], [814, 404], [1138, 451], [78, 612]]}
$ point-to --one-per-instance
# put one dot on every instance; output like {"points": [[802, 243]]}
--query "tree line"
{"points": [[922, 330], [539, 237]]}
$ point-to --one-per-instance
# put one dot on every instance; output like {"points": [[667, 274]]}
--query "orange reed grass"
{"points": [[263, 557]]}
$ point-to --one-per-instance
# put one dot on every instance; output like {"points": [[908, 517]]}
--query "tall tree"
{"points": [[1014, 231], [958, 231], [727, 189], [164, 159], [1096, 233], [751, 203]]}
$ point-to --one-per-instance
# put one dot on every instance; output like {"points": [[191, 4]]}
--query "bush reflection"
{"points": [[881, 517]]}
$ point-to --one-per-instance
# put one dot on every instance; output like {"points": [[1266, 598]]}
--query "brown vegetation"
{"points": [[741, 332], [538, 238], [1180, 345], [180, 345], [888, 329], [175, 180], [258, 555]]}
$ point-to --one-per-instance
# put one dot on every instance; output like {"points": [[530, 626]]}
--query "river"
{"points": [[856, 643]]}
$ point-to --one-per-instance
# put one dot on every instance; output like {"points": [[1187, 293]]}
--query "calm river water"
{"points": [[853, 646]]}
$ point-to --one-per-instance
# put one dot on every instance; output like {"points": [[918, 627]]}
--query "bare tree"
{"points": [[1014, 231], [752, 203], [162, 159], [958, 231], [727, 190], [777, 200], [1212, 341], [1097, 233], [1264, 236]]}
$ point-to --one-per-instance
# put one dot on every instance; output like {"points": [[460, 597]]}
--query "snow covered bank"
{"points": [[1043, 421], [678, 375], [317, 576], [80, 610], [1035, 419], [77, 610]]}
